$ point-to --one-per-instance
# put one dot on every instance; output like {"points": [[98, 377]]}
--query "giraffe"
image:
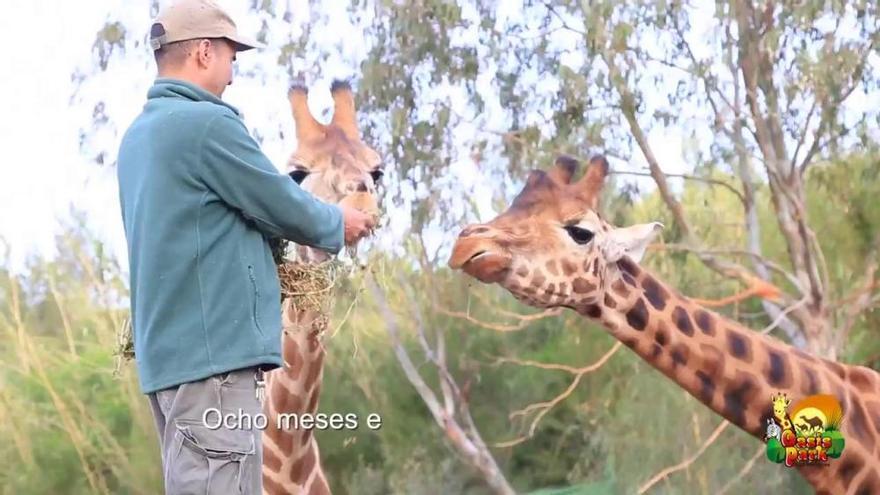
{"points": [[332, 163], [780, 411], [551, 248]]}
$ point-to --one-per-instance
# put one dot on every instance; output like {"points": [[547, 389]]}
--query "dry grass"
{"points": [[309, 286]]}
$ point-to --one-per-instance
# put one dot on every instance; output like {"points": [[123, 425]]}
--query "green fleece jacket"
{"points": [[199, 203]]}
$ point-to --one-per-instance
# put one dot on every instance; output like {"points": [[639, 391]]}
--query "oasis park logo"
{"points": [[809, 434]]}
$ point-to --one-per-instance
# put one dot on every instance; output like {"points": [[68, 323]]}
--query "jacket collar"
{"points": [[175, 88]]}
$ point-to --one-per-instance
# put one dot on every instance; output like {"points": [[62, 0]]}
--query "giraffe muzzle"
{"points": [[481, 259]]}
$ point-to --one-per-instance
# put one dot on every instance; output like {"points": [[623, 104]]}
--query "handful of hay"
{"points": [[309, 286], [124, 345]]}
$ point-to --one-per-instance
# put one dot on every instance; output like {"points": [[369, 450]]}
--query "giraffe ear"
{"points": [[631, 241]]}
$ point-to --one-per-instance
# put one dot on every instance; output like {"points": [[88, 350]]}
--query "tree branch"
{"points": [[525, 320], [745, 469], [544, 407], [466, 440], [687, 462], [707, 180]]}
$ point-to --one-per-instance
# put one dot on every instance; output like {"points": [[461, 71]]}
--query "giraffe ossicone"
{"points": [[552, 248]]}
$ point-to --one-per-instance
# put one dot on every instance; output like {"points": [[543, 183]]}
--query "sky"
{"points": [[44, 172]]}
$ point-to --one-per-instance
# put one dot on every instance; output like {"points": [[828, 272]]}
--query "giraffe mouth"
{"points": [[482, 262], [487, 267], [477, 256]]}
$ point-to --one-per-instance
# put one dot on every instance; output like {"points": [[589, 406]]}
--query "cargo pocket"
{"points": [[205, 461]]}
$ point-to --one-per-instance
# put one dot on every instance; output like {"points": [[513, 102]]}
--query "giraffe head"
{"points": [[780, 405], [330, 160], [552, 248]]}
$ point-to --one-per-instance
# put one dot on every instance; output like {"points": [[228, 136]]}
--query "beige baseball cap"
{"points": [[195, 19]]}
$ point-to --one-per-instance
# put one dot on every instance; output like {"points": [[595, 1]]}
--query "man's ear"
{"points": [[631, 241]]}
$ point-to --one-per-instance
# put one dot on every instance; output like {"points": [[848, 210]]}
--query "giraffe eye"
{"points": [[299, 175], [377, 175], [578, 234]]}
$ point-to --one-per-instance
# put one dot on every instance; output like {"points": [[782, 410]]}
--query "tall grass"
{"points": [[74, 427]]}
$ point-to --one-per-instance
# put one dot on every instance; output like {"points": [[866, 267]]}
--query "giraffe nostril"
{"points": [[475, 230], [362, 187]]}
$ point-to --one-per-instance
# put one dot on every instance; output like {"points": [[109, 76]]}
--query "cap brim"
{"points": [[242, 43]]}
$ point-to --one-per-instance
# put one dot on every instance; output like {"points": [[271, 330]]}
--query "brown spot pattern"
{"points": [[683, 321], [856, 418], [303, 465], [737, 396], [582, 286], [811, 385], [628, 266], [592, 310], [705, 322], [680, 354], [271, 460], [870, 484], [661, 336], [740, 347], [568, 267], [707, 387], [654, 292], [777, 370], [609, 301], [712, 361], [637, 316], [538, 279], [619, 288], [285, 440], [552, 268], [285, 400], [849, 466]]}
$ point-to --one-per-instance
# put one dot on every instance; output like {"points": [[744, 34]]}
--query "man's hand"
{"points": [[357, 224]]}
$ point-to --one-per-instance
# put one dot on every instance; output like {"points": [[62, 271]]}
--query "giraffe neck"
{"points": [[291, 460], [734, 371]]}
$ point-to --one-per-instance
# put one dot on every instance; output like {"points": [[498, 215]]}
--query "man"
{"points": [[199, 202]]}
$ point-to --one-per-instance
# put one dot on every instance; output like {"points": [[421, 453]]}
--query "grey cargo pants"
{"points": [[201, 452]]}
